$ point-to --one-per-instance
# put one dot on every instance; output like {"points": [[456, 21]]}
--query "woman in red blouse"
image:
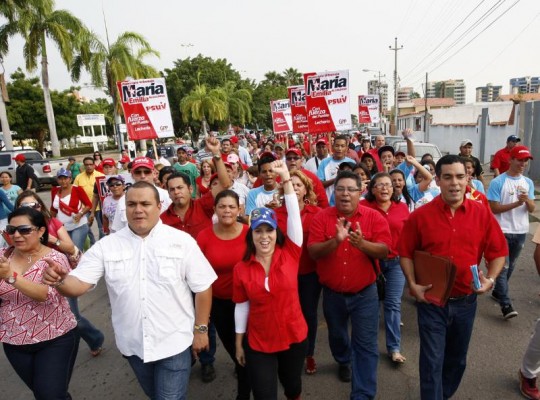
{"points": [[309, 288], [270, 328], [203, 180], [37, 328], [224, 245], [380, 196]]}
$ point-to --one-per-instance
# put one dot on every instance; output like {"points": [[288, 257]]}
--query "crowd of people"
{"points": [[240, 240]]}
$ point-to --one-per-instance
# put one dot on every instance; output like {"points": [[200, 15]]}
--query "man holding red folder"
{"points": [[464, 231]]}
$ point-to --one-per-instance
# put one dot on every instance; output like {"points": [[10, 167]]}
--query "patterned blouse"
{"points": [[27, 321]]}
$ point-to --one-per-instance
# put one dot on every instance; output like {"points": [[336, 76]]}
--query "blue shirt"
{"points": [[328, 169]]}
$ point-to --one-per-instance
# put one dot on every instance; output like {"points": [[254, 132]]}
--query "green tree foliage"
{"points": [[263, 94], [37, 21]]}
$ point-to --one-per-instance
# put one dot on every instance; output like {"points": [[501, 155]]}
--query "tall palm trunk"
{"points": [[4, 124], [55, 145]]}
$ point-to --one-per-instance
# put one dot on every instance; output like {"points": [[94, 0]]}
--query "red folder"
{"points": [[438, 271]]}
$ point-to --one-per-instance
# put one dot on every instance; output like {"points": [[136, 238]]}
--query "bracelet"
{"points": [[285, 181], [59, 283]]}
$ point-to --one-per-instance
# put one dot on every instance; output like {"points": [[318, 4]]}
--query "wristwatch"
{"points": [[11, 279], [492, 280], [216, 157], [57, 243], [201, 328]]}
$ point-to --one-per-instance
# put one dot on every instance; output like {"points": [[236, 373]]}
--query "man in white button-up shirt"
{"points": [[150, 270]]}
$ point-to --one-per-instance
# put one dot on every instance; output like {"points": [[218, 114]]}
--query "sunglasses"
{"points": [[141, 171], [115, 184], [292, 158], [22, 229], [33, 204]]}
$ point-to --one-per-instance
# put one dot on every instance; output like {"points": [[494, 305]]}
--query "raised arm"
{"points": [[294, 222]]}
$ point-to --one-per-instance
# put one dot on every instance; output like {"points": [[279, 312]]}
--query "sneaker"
{"points": [[495, 296], [528, 387], [508, 311], [208, 373], [311, 365], [344, 373]]}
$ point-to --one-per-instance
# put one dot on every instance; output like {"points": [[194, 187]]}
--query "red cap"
{"points": [[124, 159], [109, 161], [321, 140], [233, 158], [520, 153], [214, 176], [267, 154], [20, 157], [234, 139], [227, 165], [140, 162], [295, 151]]}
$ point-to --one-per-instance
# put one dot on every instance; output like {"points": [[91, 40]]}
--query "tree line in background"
{"points": [[203, 92]]}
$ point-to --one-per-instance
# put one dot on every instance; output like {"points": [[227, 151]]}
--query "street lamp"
{"points": [[378, 89]]}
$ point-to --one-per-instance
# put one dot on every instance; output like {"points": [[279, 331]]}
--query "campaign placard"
{"points": [[368, 109], [297, 99], [281, 115], [327, 101], [146, 108]]}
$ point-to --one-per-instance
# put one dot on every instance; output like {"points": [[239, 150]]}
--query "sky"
{"points": [[479, 41]]}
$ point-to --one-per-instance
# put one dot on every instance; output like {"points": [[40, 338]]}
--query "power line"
{"points": [[446, 37]]}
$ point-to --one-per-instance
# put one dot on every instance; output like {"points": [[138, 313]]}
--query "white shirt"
{"points": [[120, 218], [149, 281], [244, 156], [67, 220], [163, 161], [312, 164]]}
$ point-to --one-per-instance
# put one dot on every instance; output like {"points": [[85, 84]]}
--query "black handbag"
{"points": [[381, 281]]}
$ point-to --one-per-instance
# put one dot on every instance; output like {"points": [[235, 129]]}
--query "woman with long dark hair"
{"points": [[370, 163], [37, 327], [224, 245], [98, 161], [380, 196], [309, 288], [271, 331]]}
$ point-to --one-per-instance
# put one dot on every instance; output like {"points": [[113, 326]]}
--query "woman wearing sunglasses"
{"points": [[271, 331], [381, 197], [37, 326], [224, 245], [116, 185]]}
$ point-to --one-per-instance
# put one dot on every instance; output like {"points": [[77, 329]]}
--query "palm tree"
{"points": [[201, 104], [292, 77], [36, 22], [238, 103], [113, 62], [274, 79]]}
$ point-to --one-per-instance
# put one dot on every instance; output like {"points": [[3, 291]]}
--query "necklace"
{"points": [[30, 256]]}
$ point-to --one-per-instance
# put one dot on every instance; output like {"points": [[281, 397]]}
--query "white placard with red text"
{"points": [[281, 115], [146, 108], [297, 99], [368, 109], [327, 101]]}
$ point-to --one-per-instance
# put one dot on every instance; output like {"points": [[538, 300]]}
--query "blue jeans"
{"points": [[99, 219], [362, 350], [445, 333], [89, 333], [395, 281], [46, 367], [78, 236], [515, 241], [309, 292], [165, 379]]}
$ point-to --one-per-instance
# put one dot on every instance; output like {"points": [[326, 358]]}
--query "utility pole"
{"points": [[396, 108], [426, 131]]}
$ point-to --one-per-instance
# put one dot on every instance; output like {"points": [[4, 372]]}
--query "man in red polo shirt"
{"points": [[294, 160], [501, 160], [344, 240], [465, 231]]}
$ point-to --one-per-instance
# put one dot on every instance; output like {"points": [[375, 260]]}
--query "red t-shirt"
{"points": [[307, 264], [348, 269], [200, 187], [465, 236], [501, 160], [396, 216], [275, 318], [198, 216], [222, 255]]}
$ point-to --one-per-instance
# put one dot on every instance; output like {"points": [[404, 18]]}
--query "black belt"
{"points": [[349, 294], [461, 298]]}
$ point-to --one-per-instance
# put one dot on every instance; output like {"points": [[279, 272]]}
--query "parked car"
{"points": [[166, 150], [44, 168], [420, 149]]}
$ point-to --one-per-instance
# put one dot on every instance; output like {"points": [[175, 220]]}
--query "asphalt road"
{"points": [[494, 355]]}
